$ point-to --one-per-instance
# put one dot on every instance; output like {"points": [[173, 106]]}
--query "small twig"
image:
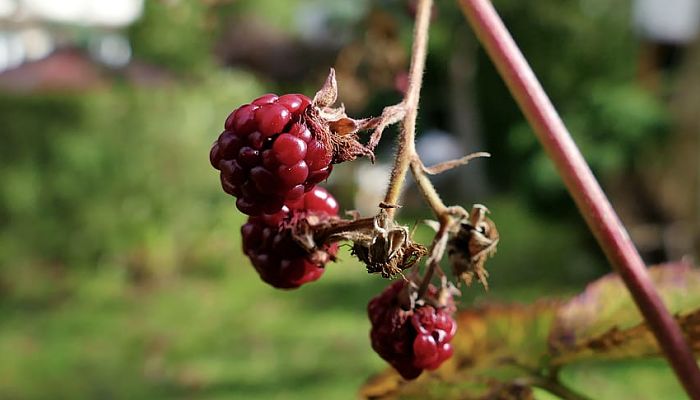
{"points": [[445, 216], [437, 250], [448, 165], [406, 148], [390, 115], [583, 187], [428, 191], [406, 156]]}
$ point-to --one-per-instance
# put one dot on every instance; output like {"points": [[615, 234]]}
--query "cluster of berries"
{"points": [[415, 338], [279, 260], [271, 162], [267, 155]]}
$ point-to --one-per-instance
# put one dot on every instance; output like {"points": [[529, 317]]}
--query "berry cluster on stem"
{"points": [[271, 157]]}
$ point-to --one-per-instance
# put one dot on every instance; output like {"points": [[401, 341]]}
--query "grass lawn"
{"points": [[193, 338]]}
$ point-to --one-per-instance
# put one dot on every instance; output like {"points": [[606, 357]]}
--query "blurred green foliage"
{"points": [[98, 178], [176, 34], [585, 55]]}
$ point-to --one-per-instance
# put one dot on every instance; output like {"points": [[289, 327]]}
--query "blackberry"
{"points": [[411, 340], [277, 258], [267, 156]]}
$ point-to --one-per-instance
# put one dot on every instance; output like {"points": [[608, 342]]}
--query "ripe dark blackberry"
{"points": [[277, 258], [267, 155], [411, 340]]}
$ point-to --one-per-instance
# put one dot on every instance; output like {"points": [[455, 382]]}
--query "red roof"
{"points": [[63, 70]]}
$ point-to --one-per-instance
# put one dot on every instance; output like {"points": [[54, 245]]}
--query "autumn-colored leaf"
{"points": [[494, 346], [503, 350], [603, 321]]}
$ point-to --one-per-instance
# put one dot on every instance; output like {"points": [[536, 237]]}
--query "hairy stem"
{"points": [[433, 199], [406, 146], [427, 189], [406, 154], [437, 249], [583, 187]]}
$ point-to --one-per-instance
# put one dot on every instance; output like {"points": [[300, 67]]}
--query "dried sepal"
{"points": [[387, 248], [338, 131], [471, 245], [333, 127], [303, 227], [390, 115], [344, 126], [328, 94]]}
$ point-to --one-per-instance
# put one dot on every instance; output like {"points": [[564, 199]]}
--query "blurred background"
{"points": [[121, 272]]}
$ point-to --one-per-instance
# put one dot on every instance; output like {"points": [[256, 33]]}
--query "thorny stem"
{"points": [[406, 147], [587, 193]]}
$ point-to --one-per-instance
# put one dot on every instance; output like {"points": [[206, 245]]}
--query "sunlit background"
{"points": [[121, 272]]}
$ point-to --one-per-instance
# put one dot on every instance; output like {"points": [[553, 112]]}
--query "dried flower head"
{"points": [[334, 127], [471, 245], [387, 248]]}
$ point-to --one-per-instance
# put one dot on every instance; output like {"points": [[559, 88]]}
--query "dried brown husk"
{"points": [[332, 126], [470, 247]]}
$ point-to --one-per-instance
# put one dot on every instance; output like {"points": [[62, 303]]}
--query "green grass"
{"points": [[193, 338]]}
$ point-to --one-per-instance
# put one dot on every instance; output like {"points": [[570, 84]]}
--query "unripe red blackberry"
{"points": [[411, 340], [277, 258], [267, 155]]}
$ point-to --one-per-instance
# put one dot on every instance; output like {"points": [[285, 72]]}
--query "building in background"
{"points": [[666, 28], [62, 44]]}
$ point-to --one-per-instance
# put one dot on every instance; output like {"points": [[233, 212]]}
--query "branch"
{"points": [[428, 191], [406, 148], [451, 164], [583, 187], [437, 250]]}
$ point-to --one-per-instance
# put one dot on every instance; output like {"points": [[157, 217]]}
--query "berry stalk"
{"points": [[406, 149], [406, 156], [587, 193]]}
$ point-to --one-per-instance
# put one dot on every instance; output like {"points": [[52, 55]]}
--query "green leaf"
{"points": [[603, 321]]}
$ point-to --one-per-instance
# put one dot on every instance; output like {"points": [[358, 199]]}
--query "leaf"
{"points": [[603, 321], [494, 346], [502, 351]]}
